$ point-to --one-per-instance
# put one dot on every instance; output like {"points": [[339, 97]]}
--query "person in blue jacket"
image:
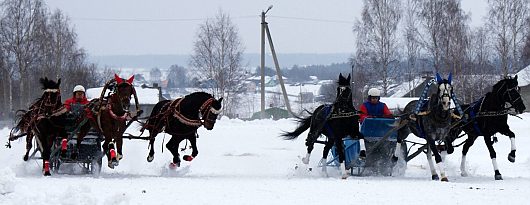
{"points": [[373, 107]]}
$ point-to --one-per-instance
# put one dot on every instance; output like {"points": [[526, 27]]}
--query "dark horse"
{"points": [[433, 124], [111, 116], [181, 118], [36, 121], [335, 121], [489, 115]]}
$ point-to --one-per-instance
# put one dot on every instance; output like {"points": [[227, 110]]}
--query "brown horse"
{"points": [[111, 116], [37, 122]]}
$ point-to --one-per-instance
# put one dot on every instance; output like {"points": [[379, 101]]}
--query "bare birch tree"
{"points": [[411, 41], [506, 22], [217, 55], [380, 19], [17, 32]]}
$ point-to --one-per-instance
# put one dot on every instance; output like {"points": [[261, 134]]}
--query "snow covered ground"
{"points": [[247, 163]]}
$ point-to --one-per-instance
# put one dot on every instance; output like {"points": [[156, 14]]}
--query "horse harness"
{"points": [[174, 109]]}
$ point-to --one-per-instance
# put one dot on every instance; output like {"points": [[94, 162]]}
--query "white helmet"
{"points": [[78, 88], [374, 92]]}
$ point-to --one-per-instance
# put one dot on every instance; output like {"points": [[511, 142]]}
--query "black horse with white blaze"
{"points": [[335, 121], [433, 123], [488, 116]]}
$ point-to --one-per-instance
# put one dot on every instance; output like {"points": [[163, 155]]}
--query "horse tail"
{"points": [[305, 123]]}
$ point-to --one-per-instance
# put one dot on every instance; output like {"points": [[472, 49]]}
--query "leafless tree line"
{"points": [[35, 43], [440, 31]]}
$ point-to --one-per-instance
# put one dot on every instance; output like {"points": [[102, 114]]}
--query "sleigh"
{"points": [[89, 155], [380, 140]]}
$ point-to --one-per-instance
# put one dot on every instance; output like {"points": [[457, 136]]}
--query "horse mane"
{"points": [[49, 84]]}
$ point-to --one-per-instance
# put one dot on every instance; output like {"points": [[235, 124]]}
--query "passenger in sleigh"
{"points": [[73, 110], [373, 107]]}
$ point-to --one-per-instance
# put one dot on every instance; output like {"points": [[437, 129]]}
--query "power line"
{"points": [[203, 19], [155, 20], [313, 19]]}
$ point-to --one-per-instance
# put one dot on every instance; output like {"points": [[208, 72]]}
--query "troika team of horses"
{"points": [[431, 117]]}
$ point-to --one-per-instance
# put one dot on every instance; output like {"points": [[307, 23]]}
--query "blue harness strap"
{"points": [[473, 113], [329, 131]]}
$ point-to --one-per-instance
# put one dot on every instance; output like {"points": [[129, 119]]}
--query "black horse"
{"points": [[433, 124], [489, 115], [335, 121], [181, 118], [38, 121]]}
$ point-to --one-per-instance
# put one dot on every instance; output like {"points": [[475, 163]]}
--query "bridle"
{"points": [[509, 92], [47, 101], [446, 92]]}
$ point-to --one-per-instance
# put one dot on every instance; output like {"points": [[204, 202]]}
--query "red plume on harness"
{"points": [[118, 79], [130, 80]]}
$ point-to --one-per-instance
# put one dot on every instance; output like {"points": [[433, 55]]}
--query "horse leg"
{"points": [[469, 142], [340, 151], [119, 146], [324, 161], [173, 147], [402, 134], [362, 153], [309, 142], [109, 148], [511, 135], [151, 155], [193, 141], [438, 159], [64, 144], [493, 156], [434, 175], [46, 152], [29, 145]]}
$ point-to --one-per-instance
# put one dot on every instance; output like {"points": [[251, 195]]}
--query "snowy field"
{"points": [[247, 163]]}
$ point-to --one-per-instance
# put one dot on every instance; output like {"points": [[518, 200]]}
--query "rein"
{"points": [[203, 110]]}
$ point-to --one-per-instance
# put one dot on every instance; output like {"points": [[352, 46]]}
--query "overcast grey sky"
{"points": [[112, 27]]}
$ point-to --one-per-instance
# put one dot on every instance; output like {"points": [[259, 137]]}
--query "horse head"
{"points": [[343, 89], [445, 91], [210, 110], [508, 92], [51, 98], [124, 91]]}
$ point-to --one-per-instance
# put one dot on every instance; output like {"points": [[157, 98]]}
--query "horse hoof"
{"points": [[47, 173], [345, 176], [305, 160], [120, 156], [362, 154], [435, 177], [173, 166], [150, 158], [511, 158], [25, 158], [464, 174], [498, 177], [444, 179]]}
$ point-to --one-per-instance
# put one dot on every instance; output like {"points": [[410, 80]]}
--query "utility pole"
{"points": [[263, 25], [265, 30]]}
